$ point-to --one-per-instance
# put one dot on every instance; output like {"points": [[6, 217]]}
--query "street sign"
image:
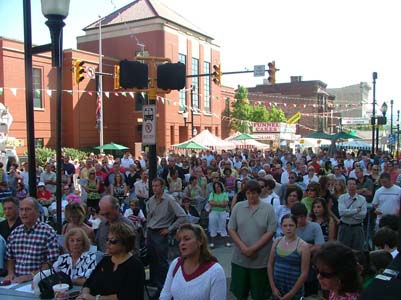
{"points": [[90, 72], [149, 125], [259, 71], [392, 139]]}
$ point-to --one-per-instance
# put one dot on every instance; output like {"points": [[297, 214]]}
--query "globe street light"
{"points": [[55, 12]]}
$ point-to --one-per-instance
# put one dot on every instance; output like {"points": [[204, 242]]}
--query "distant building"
{"points": [[353, 100], [310, 98]]}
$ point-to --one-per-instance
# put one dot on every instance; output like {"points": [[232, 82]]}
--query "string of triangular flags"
{"points": [[273, 102]]}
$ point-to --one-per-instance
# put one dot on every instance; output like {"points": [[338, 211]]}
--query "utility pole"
{"points": [[100, 88]]}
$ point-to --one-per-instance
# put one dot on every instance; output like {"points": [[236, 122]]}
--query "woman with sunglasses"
{"points": [[288, 263], [312, 192], [337, 271], [119, 275], [375, 177], [195, 274]]}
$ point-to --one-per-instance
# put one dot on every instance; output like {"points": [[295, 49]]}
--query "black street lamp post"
{"points": [[55, 12], [381, 121], [373, 120], [193, 129]]}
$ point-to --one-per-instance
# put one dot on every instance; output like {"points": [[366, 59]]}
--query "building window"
{"points": [[37, 88], [195, 82], [39, 143], [140, 100], [206, 88], [182, 58]]}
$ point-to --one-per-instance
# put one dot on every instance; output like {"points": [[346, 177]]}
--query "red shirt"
{"points": [[45, 194]]}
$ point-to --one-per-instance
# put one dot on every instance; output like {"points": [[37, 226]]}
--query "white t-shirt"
{"points": [[387, 200], [53, 208], [275, 203]]}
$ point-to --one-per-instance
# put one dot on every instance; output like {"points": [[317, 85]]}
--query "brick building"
{"points": [[310, 98], [143, 27]]}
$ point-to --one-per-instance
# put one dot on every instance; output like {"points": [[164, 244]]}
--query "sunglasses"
{"points": [[112, 241], [325, 274]]}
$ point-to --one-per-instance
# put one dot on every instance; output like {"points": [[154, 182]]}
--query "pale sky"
{"points": [[340, 42]]}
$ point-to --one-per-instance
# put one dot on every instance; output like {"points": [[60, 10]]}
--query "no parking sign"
{"points": [[149, 125]]}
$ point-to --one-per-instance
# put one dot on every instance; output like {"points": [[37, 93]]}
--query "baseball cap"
{"points": [[41, 184]]}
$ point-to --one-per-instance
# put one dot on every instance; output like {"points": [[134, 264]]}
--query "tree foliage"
{"points": [[243, 113]]}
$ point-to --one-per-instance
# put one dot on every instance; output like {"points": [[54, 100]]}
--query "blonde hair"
{"points": [[205, 255], [85, 239]]}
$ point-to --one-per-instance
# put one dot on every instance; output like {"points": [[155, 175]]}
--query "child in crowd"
{"points": [[94, 219]]}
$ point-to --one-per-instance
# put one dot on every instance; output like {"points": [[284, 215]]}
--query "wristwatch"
{"points": [[97, 297]]}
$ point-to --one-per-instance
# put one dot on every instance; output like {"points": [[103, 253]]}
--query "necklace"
{"points": [[287, 242]]}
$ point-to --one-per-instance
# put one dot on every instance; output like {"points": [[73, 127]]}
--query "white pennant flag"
{"points": [[49, 92], [131, 94], [14, 91], [107, 94]]}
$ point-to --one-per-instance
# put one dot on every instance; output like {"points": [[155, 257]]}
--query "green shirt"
{"points": [[219, 198]]}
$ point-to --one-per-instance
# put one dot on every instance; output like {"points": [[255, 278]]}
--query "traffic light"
{"points": [[79, 70], [171, 76], [217, 74], [133, 74], [116, 77], [272, 72]]}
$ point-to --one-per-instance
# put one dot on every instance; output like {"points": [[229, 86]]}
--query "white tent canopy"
{"points": [[249, 143], [209, 140]]}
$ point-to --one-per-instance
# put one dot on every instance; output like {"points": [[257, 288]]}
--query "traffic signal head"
{"points": [[272, 72], [171, 76], [79, 70], [116, 77], [133, 74], [217, 74]]}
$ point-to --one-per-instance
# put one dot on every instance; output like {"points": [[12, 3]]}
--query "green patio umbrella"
{"points": [[190, 145], [342, 135], [320, 135], [242, 137], [111, 146]]}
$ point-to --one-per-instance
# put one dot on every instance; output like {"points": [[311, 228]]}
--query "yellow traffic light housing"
{"points": [[217, 74], [272, 72], [116, 77], [79, 70]]}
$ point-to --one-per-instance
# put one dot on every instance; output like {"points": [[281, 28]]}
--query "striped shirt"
{"points": [[30, 249]]}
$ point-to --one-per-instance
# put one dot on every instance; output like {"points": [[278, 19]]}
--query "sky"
{"points": [[340, 42]]}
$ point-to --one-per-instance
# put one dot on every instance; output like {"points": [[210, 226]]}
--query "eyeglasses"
{"points": [[325, 274], [375, 169], [112, 241], [311, 190]]}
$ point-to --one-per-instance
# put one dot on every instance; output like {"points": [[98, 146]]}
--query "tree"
{"points": [[244, 114], [241, 114], [276, 115]]}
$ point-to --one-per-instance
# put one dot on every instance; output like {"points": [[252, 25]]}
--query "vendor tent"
{"points": [[355, 145], [241, 140], [208, 140]]}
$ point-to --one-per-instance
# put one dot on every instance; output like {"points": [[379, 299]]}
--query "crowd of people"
{"points": [[297, 223]]}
